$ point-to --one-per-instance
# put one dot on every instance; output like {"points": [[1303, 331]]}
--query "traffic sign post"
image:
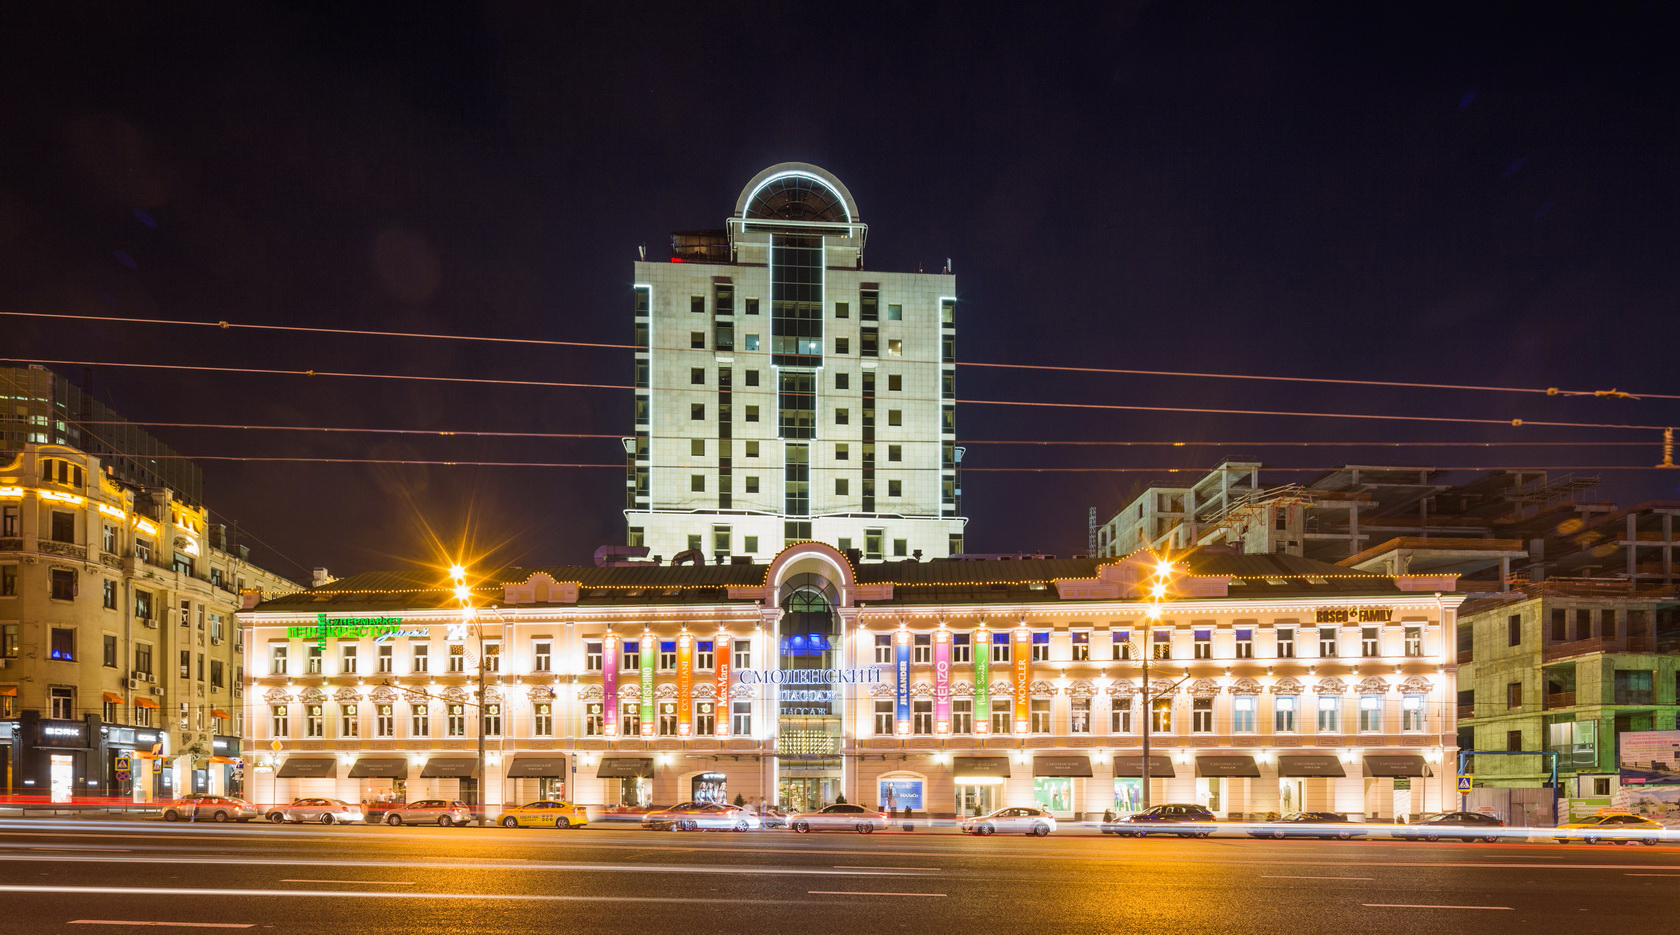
{"points": [[1464, 785]]}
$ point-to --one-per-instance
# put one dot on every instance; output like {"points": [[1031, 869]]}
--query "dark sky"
{"points": [[1456, 193]]}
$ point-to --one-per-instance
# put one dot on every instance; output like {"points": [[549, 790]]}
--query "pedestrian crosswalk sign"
{"points": [[1464, 783]]}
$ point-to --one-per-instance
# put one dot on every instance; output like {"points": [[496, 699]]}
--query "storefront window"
{"points": [[1054, 793], [1128, 795], [899, 794]]}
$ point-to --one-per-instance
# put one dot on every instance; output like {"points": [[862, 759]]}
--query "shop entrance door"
{"points": [[806, 794], [976, 799], [62, 775]]}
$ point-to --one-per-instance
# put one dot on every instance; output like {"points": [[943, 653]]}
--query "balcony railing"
{"points": [[1560, 700], [1466, 711], [1630, 644]]}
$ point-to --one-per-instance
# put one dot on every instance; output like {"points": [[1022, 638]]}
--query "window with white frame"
{"points": [[743, 655], [1079, 715], [668, 656], [347, 658], [630, 718], [1284, 713], [387, 654], [1327, 638], [314, 722], [1414, 641], [542, 719], [1120, 645], [1000, 647], [492, 657], [1286, 642], [740, 719], [384, 722], [632, 656], [962, 645], [594, 719], [492, 720], [542, 655], [594, 656], [1161, 715], [921, 650], [1003, 723], [1413, 715], [280, 720], [1081, 640], [667, 719], [1245, 642], [883, 649], [884, 722], [312, 659], [1329, 714], [1370, 713], [420, 719], [277, 658], [962, 715], [422, 658], [1041, 647], [1038, 712], [1162, 641], [921, 716], [1201, 715], [1242, 714], [350, 725], [1369, 642], [705, 656], [1202, 648], [1120, 714], [457, 657], [457, 718]]}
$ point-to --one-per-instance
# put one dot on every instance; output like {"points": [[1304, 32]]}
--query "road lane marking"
{"points": [[861, 867], [190, 925], [852, 893], [1412, 906], [370, 894], [556, 867], [1268, 876], [362, 882], [1651, 874]]}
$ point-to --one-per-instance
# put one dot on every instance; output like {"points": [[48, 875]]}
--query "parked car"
{"points": [[210, 808], [548, 813], [843, 817], [1626, 829], [1184, 820], [1324, 825], [325, 811], [1468, 826], [701, 816], [624, 813], [424, 812], [1013, 820]]}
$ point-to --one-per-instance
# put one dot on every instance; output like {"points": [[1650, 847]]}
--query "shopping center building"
{"points": [[1275, 683]]}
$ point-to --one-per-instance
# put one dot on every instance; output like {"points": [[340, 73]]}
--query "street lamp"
{"points": [[463, 594], [1159, 588]]}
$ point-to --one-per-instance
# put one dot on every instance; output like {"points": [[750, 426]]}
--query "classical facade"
{"points": [[121, 667], [1268, 683], [784, 393]]}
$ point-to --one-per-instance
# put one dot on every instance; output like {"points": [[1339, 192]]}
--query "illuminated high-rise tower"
{"points": [[785, 393]]}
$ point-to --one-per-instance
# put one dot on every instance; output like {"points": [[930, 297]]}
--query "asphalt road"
{"points": [[89, 877]]}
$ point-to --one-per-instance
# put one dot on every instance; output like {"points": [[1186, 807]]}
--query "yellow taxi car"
{"points": [[548, 813], [1622, 828]]}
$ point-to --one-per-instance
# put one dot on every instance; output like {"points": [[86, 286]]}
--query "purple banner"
{"points": [[942, 681], [609, 685]]}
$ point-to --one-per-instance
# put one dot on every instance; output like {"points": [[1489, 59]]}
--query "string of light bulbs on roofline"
{"points": [[1611, 393], [1197, 410]]}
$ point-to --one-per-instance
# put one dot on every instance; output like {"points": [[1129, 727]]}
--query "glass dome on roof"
{"points": [[797, 198]]}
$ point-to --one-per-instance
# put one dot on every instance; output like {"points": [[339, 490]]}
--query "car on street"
{"points": [[548, 813], [701, 816], [840, 817], [1324, 825], [771, 817], [1182, 819], [1012, 820], [1623, 829], [325, 811], [210, 808], [1466, 826], [424, 812]]}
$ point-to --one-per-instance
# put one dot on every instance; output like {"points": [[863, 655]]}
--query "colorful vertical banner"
{"points": [[942, 681], [901, 663], [609, 685], [685, 685], [980, 649], [650, 658], [721, 654], [1021, 657]]}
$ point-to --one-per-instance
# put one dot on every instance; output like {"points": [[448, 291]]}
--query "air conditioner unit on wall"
{"points": [[133, 683], [157, 690]]}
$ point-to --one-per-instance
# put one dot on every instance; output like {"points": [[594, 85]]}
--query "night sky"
{"points": [[1457, 194]]}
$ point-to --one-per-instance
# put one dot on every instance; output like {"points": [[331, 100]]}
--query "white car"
{"points": [[701, 816], [325, 811], [839, 818], [1012, 820]]}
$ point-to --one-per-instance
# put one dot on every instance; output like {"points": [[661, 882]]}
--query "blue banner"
{"points": [[899, 793], [903, 667]]}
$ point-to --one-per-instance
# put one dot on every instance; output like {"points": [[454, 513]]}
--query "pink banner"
{"points": [[685, 685], [942, 681], [609, 685], [720, 650]]}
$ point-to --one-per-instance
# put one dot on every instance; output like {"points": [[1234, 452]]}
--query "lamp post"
{"points": [[463, 593], [1158, 588]]}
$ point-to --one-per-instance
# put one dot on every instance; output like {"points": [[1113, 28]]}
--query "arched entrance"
{"points": [[808, 707]]}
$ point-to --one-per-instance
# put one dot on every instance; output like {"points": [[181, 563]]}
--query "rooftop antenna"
{"points": [[641, 251], [947, 266]]}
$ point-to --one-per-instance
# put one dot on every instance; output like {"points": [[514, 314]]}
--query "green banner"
{"points": [[650, 658], [982, 654]]}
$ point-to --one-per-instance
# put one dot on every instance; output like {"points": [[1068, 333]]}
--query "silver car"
{"points": [[1013, 820], [209, 808], [325, 811], [424, 812], [701, 816], [844, 817]]}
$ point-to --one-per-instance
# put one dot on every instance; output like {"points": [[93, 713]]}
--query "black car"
{"points": [[1469, 826], [1324, 825], [1182, 820]]}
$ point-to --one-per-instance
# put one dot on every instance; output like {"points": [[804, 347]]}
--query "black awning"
{"points": [[1397, 766], [625, 767], [534, 767], [380, 767], [1242, 767], [1160, 767], [979, 767], [308, 767], [1295, 767], [449, 767], [1061, 766]]}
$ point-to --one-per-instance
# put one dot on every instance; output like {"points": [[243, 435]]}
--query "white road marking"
{"points": [[1411, 906], [362, 882], [1267, 876], [454, 865], [354, 894], [861, 867], [190, 925], [1651, 874], [851, 893]]}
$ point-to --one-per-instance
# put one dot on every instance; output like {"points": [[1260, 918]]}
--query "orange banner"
{"points": [[1021, 657], [720, 652]]}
